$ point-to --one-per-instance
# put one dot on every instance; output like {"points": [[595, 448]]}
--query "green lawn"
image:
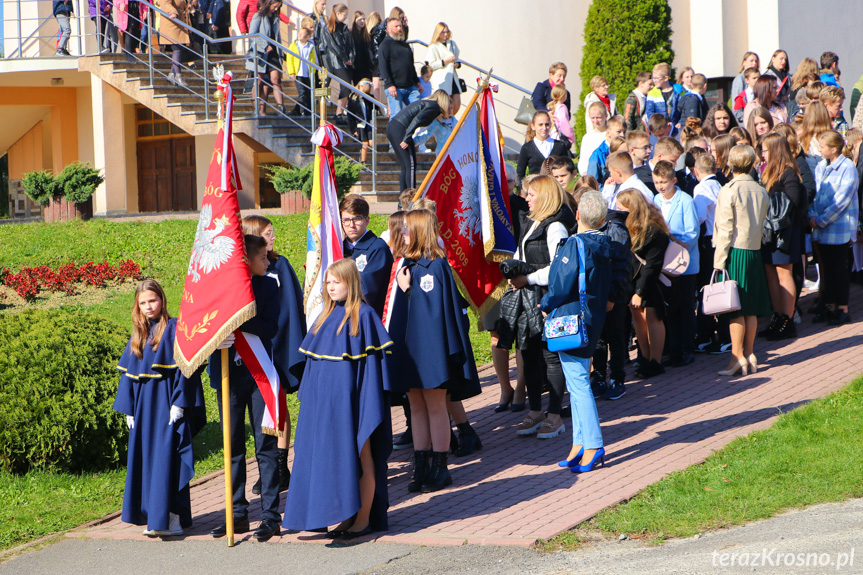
{"points": [[809, 455], [38, 503]]}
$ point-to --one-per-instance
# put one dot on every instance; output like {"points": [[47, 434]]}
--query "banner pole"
{"points": [[449, 140], [226, 442]]}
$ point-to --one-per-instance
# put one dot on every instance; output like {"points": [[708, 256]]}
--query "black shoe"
{"points": [[453, 441], [685, 360], [615, 390], [654, 368], [501, 407], [823, 316], [597, 384], [774, 325], [785, 329], [267, 529], [438, 475], [839, 317], [566, 411], [516, 407], [421, 462], [348, 535], [256, 488], [284, 472], [241, 525], [670, 360], [406, 441], [468, 440]]}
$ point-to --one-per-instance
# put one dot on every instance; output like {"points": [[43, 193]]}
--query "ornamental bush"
{"points": [[621, 39], [58, 380], [293, 179]]}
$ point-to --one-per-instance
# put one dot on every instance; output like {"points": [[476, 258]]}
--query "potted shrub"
{"points": [[295, 184], [68, 195]]}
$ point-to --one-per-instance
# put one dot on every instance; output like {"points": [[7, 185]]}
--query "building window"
{"points": [[151, 126]]}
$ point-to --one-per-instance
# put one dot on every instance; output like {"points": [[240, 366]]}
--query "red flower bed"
{"points": [[28, 282]]}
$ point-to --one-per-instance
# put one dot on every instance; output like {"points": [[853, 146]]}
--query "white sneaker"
{"points": [[810, 285], [174, 528]]}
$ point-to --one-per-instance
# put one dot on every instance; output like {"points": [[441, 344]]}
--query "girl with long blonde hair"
{"points": [[344, 431], [650, 236]]}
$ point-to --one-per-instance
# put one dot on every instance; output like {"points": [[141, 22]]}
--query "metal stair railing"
{"points": [[202, 54], [516, 131]]}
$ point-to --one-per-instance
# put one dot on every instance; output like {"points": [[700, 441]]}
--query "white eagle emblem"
{"points": [[361, 262], [210, 250], [427, 283], [467, 215]]}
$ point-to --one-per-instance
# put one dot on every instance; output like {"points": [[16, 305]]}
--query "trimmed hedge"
{"points": [[621, 39], [58, 380]]}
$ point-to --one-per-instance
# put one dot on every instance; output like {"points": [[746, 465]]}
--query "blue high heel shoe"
{"points": [[598, 456], [572, 462]]}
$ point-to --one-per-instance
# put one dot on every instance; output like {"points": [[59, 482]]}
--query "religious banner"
{"points": [[459, 182], [217, 294], [498, 189], [324, 235]]}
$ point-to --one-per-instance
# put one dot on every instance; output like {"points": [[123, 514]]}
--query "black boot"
{"points": [[453, 441], [438, 475], [772, 327], [421, 465], [785, 329], [468, 440], [284, 472]]}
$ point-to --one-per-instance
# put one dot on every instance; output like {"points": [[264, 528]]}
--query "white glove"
{"points": [[130, 421], [176, 414], [227, 342]]}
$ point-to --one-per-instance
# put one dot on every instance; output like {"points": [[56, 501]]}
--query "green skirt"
{"points": [[747, 268]]}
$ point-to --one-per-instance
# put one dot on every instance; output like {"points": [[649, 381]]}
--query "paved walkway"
{"points": [[513, 493]]}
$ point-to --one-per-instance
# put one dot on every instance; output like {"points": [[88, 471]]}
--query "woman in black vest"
{"points": [[541, 231], [400, 132]]}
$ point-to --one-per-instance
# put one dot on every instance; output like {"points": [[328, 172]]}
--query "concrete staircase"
{"points": [[287, 137]]}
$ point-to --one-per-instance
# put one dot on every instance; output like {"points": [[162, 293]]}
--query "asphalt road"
{"points": [[821, 539]]}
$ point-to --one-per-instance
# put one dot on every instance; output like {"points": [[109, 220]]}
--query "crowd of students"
{"points": [[751, 188], [668, 175]]}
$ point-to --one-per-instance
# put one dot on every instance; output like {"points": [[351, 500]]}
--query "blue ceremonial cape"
{"points": [[436, 335], [402, 368], [374, 260], [292, 325], [342, 405], [160, 463]]}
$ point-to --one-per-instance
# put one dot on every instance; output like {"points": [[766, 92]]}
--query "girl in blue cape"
{"points": [[344, 432], [437, 343], [159, 402], [287, 358]]}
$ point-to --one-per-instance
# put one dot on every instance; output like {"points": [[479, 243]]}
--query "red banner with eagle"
{"points": [[217, 295]]}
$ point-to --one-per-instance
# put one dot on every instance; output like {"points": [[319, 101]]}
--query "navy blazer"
{"points": [[375, 262], [265, 325]]}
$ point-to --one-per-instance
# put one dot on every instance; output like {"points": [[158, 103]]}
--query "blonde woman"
{"points": [[740, 212], [442, 58]]}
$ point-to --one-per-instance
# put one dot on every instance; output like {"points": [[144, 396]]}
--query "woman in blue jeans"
{"points": [[564, 297]]}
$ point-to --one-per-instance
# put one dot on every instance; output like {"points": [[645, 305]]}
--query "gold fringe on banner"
{"points": [[189, 366]]}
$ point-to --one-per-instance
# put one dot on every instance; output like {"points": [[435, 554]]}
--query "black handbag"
{"points": [[779, 218]]}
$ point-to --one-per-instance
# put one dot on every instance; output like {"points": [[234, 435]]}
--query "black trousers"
{"points": [[835, 277], [245, 395], [708, 325], [304, 95], [612, 346], [680, 319], [407, 159], [132, 37], [541, 365]]}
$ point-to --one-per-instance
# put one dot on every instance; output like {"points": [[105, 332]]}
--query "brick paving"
{"points": [[512, 492]]}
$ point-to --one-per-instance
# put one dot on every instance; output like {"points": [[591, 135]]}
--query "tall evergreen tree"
{"points": [[621, 39]]}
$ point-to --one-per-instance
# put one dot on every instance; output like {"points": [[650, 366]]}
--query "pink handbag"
{"points": [[676, 259], [720, 296]]}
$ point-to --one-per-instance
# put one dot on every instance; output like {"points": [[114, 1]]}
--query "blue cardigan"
{"points": [[563, 284], [684, 226]]}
